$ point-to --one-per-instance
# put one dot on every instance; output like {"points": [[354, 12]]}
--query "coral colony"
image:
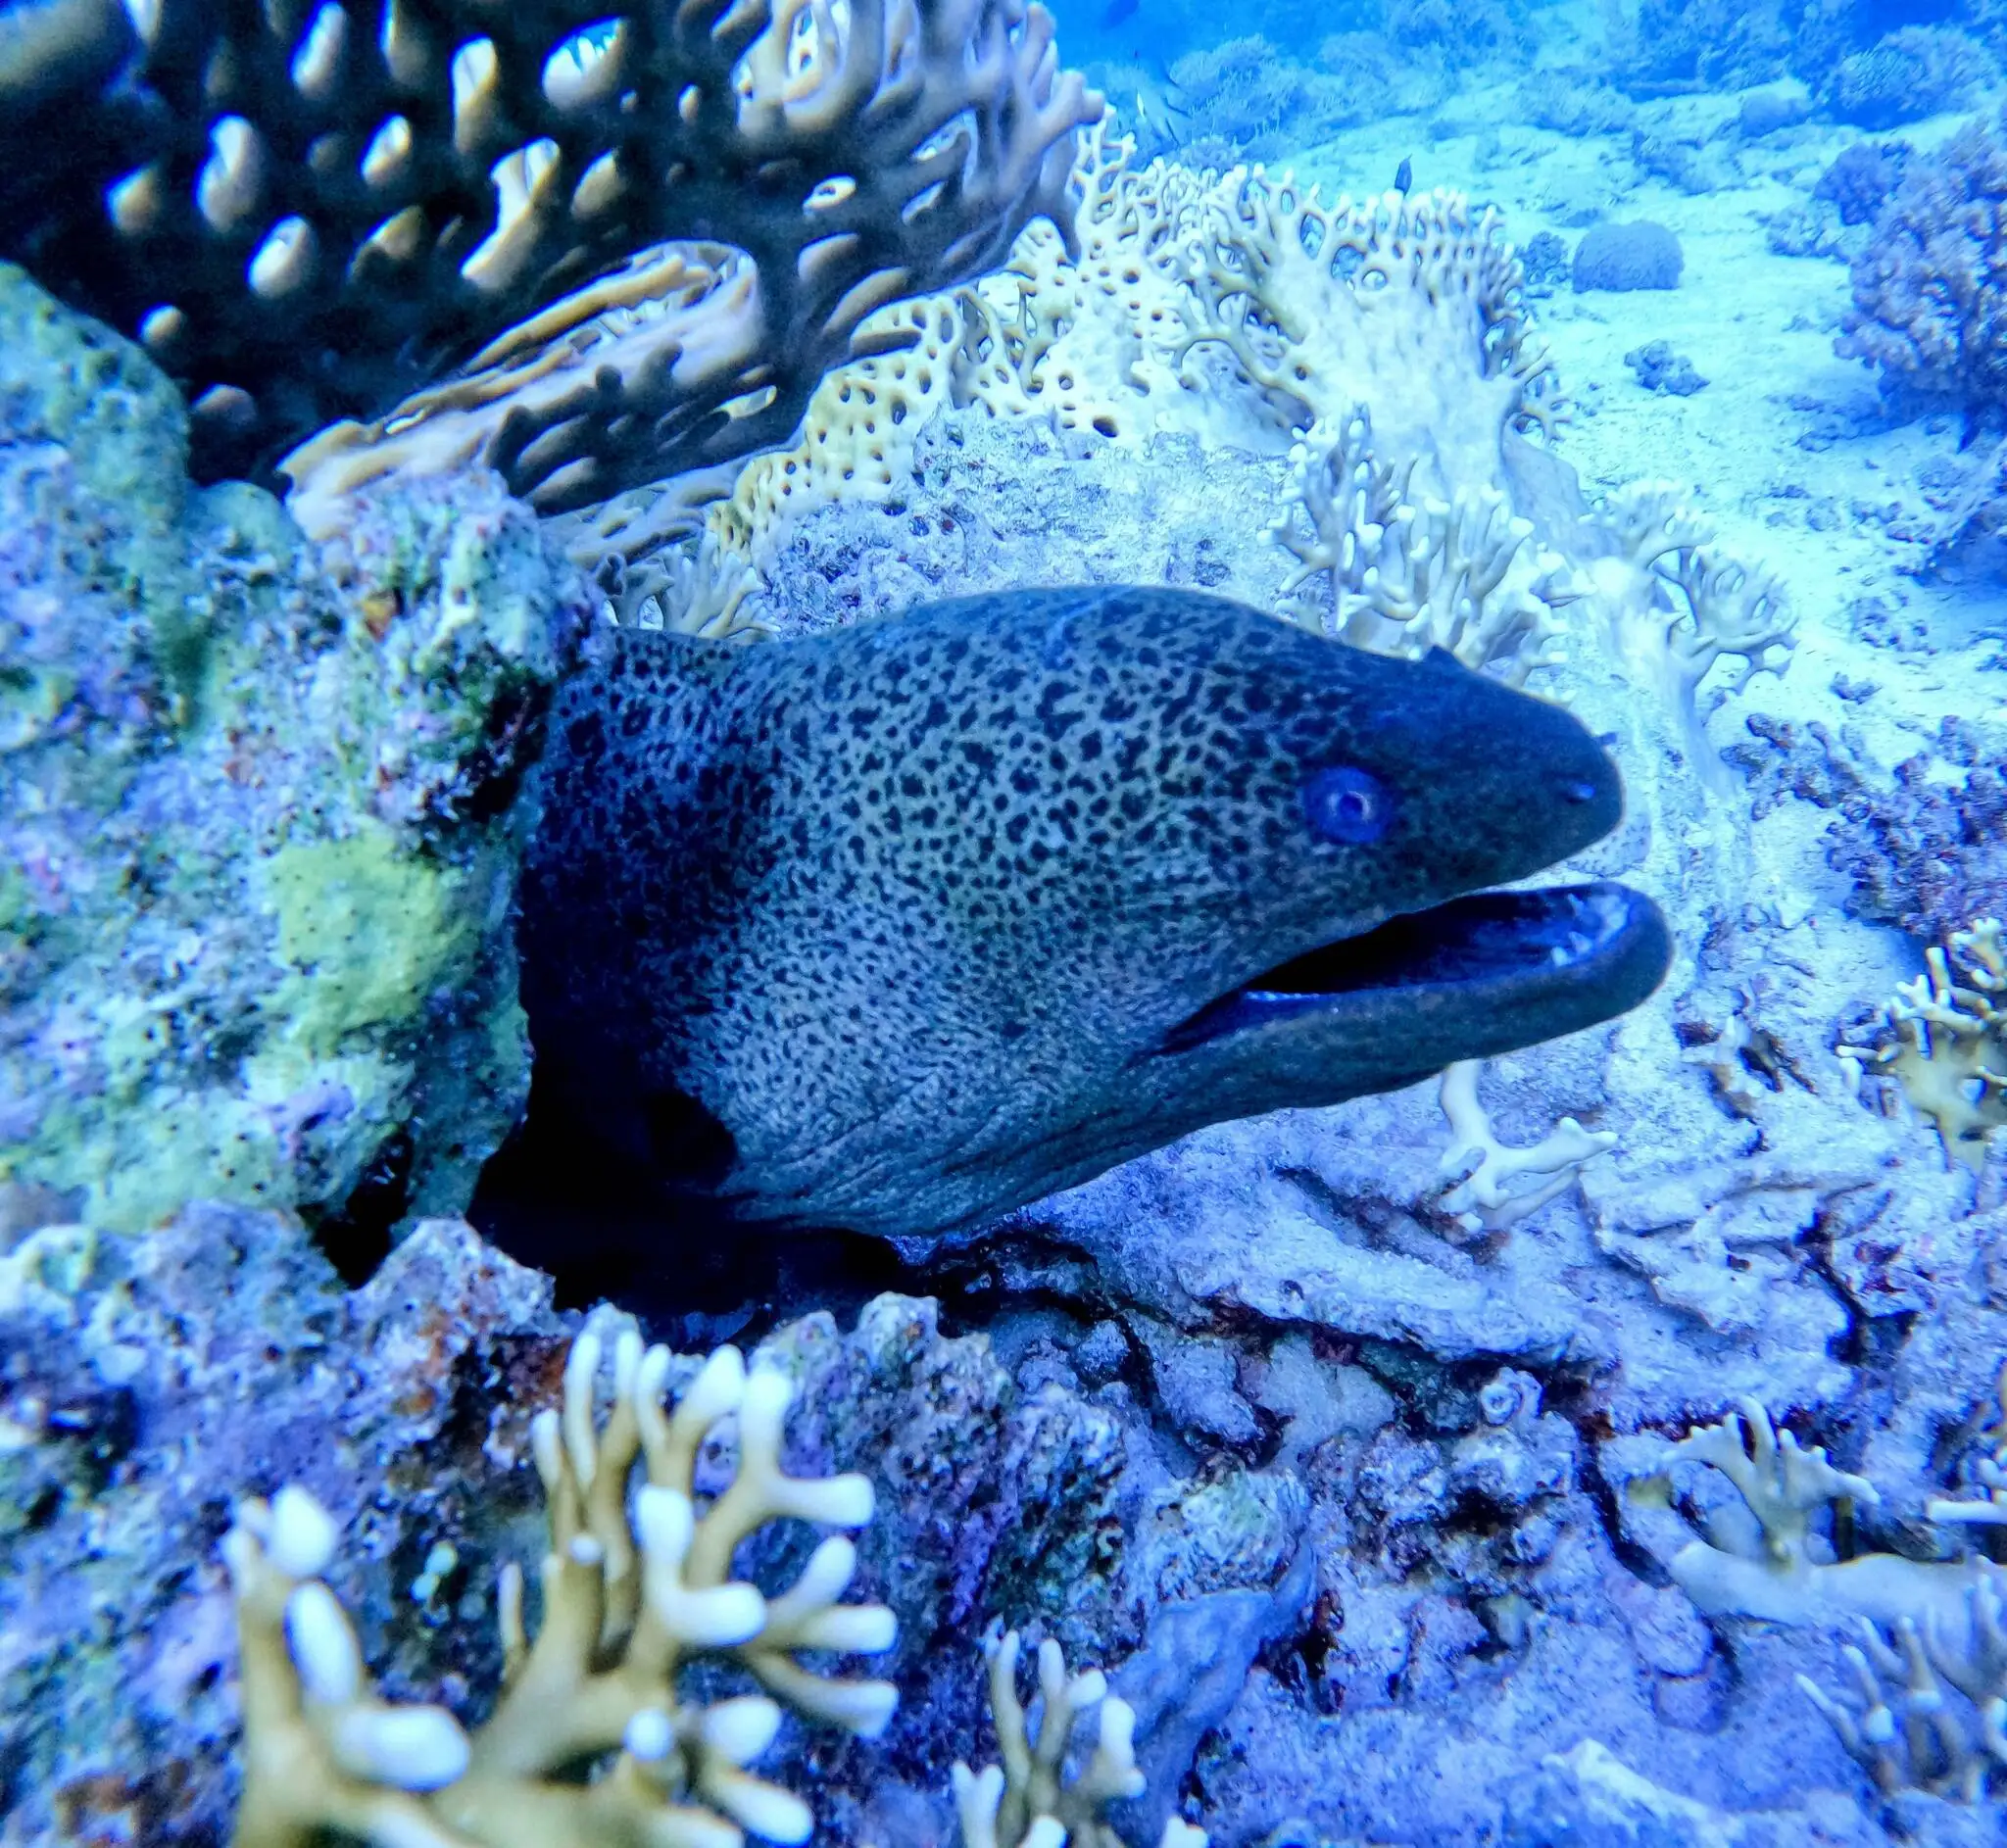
{"points": [[1604, 1441]]}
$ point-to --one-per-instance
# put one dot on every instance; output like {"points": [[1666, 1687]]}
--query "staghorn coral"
{"points": [[1927, 290], [1403, 575], [1943, 1039], [652, 231], [632, 1599], [1028, 1801]]}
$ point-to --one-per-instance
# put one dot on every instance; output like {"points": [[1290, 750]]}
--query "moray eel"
{"points": [[898, 928]]}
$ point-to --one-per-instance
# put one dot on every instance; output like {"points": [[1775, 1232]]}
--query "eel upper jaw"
{"points": [[1594, 949]]}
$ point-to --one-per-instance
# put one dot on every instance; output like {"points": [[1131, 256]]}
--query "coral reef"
{"points": [[1861, 178], [1915, 72], [1927, 289], [258, 812], [144, 1375], [1642, 254], [652, 233], [634, 1598], [1927, 851]]}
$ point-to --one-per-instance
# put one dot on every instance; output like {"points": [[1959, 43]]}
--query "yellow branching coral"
{"points": [[636, 1588], [1946, 1039], [1028, 1801], [1403, 575]]}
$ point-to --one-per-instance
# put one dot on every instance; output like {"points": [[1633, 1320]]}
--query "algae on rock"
{"points": [[258, 827]]}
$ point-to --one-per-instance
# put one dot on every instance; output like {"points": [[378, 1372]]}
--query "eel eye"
{"points": [[1348, 804]]}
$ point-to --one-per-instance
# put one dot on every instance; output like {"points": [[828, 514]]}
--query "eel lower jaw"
{"points": [[1602, 943]]}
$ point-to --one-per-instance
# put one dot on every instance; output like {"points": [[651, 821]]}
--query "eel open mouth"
{"points": [[1600, 939]]}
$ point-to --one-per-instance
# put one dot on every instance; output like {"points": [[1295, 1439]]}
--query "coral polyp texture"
{"points": [[1405, 303], [637, 1589], [258, 826], [645, 233]]}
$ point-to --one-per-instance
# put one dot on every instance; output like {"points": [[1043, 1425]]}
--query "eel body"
{"points": [[905, 926]]}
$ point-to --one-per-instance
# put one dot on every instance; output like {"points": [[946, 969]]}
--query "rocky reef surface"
{"points": [[1355, 1443]]}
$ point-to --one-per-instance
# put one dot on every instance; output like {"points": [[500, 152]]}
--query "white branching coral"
{"points": [[1945, 1039], [1028, 1801], [1490, 1186], [1902, 1728], [1904, 1724], [1403, 575], [1675, 602], [1766, 1557], [594, 1742]]}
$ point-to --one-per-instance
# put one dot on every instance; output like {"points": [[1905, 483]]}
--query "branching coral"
{"points": [[1028, 1801], [1765, 1558], [1401, 577], [1676, 602], [1491, 1186], [1904, 1732], [654, 230], [1929, 292], [1945, 1039], [635, 1595]]}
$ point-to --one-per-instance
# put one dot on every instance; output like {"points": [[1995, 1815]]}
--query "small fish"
{"points": [[902, 926], [1404, 174], [1115, 11]]}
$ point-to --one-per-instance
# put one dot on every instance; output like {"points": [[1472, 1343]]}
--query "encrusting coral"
{"points": [[636, 1590], [1028, 1801], [646, 236]]}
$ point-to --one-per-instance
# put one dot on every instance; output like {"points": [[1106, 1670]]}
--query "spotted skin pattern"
{"points": [[890, 929]]}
